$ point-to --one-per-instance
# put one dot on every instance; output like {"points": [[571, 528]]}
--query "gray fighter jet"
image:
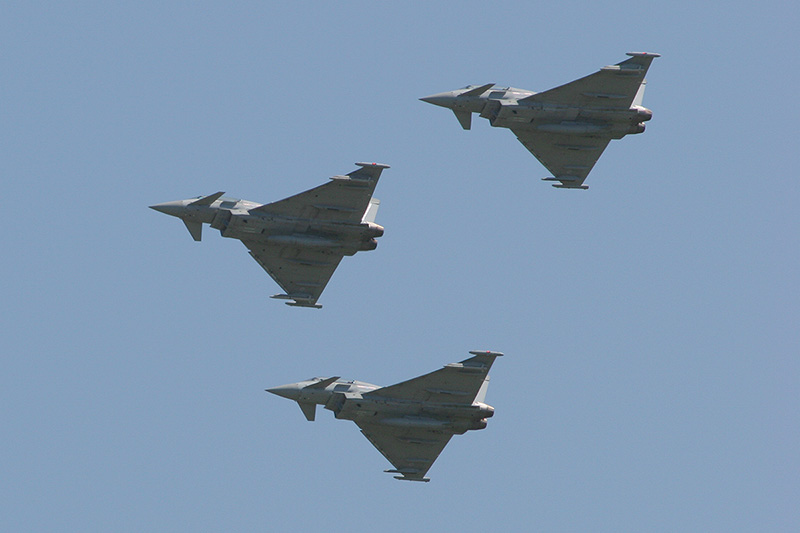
{"points": [[566, 128], [299, 241], [409, 423]]}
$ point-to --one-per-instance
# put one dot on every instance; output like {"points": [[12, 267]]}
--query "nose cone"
{"points": [[290, 391], [441, 99], [175, 209]]}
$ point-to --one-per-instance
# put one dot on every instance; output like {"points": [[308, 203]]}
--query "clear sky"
{"points": [[650, 324]]}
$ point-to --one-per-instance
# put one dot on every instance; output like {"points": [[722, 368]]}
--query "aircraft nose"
{"points": [[291, 391], [175, 209], [440, 99]]}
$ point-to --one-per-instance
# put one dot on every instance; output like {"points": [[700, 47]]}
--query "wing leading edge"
{"points": [[611, 87], [343, 199], [456, 383]]}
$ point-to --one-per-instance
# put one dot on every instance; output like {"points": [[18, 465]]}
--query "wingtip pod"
{"points": [[565, 183], [637, 64], [487, 352], [304, 304], [642, 54], [407, 475], [365, 174], [564, 186], [480, 362], [300, 300], [375, 165]]}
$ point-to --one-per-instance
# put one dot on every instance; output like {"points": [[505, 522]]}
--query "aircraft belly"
{"points": [[372, 411], [449, 418], [414, 422], [296, 240], [575, 120], [310, 241], [344, 238], [522, 113], [406, 419]]}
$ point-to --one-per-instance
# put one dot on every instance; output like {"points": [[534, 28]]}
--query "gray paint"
{"points": [[411, 422], [298, 241], [568, 127]]}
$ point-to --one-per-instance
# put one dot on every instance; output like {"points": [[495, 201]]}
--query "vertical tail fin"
{"points": [[482, 391], [637, 100], [372, 210]]}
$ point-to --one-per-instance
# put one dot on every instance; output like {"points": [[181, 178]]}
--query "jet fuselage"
{"points": [[235, 219], [300, 240], [566, 128], [409, 422], [503, 109], [346, 400]]}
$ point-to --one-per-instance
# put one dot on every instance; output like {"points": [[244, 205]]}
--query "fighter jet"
{"points": [[411, 422], [300, 240], [566, 128]]}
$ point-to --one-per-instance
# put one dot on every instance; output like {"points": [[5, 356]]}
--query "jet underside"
{"points": [[299, 241], [567, 121], [410, 422], [345, 238], [453, 418], [568, 127]]}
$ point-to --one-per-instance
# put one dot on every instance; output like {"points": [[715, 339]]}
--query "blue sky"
{"points": [[650, 323]]}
